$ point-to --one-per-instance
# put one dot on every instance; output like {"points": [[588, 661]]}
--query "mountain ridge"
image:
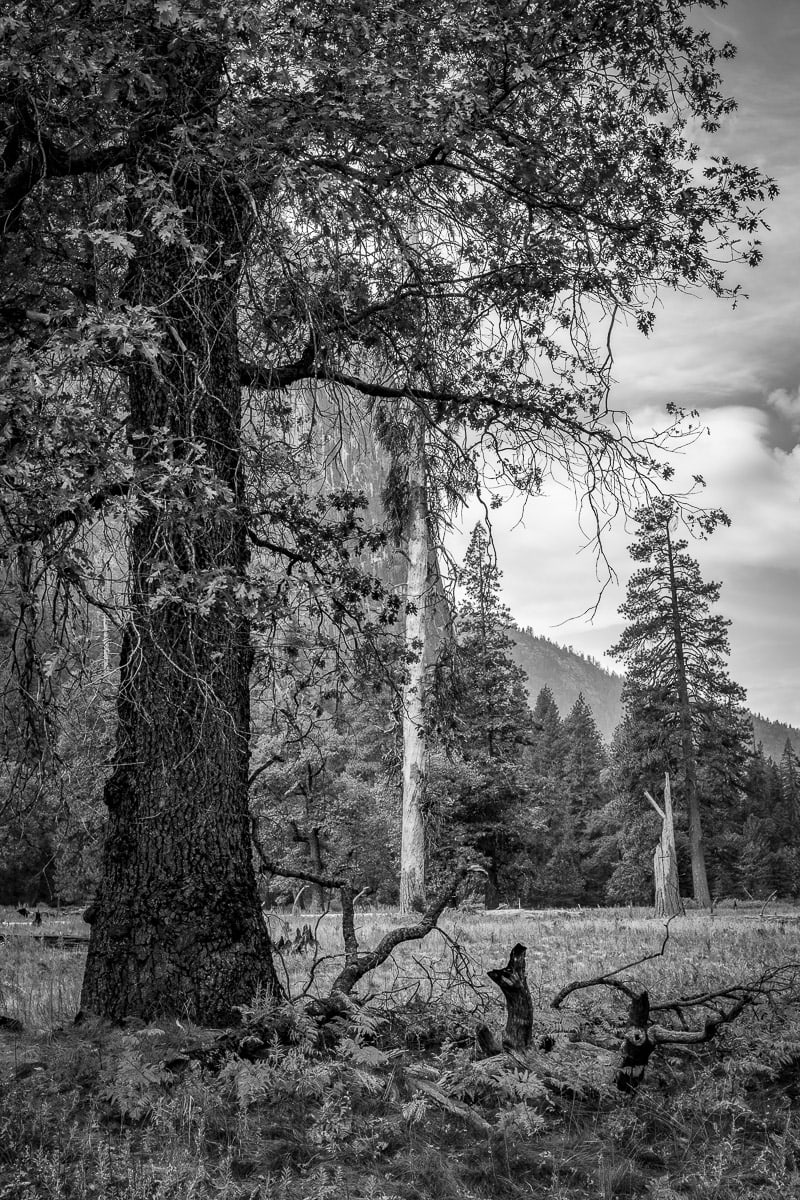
{"points": [[568, 673]]}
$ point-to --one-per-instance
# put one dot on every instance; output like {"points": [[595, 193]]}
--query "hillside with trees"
{"points": [[569, 674]]}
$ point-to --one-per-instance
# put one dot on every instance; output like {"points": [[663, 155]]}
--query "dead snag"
{"points": [[636, 1045], [513, 983], [641, 1038], [665, 859]]}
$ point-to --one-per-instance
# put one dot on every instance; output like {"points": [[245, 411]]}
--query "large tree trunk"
{"points": [[176, 926], [412, 847], [696, 849]]}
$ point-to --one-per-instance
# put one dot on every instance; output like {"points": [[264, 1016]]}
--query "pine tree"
{"points": [[585, 770], [547, 751], [674, 649], [790, 779], [554, 856], [494, 698], [483, 719]]}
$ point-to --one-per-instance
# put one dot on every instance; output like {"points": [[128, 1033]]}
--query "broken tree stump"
{"points": [[637, 1046], [668, 901], [513, 983]]}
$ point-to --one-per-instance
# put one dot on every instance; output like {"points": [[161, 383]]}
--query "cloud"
{"points": [[740, 367], [786, 404], [549, 579]]}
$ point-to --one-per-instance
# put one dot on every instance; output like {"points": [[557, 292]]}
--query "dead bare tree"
{"points": [[668, 901], [642, 1036]]}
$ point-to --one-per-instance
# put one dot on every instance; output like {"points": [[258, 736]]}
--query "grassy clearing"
{"points": [[401, 1109]]}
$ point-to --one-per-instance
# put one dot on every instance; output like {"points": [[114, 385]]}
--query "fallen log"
{"points": [[51, 939]]}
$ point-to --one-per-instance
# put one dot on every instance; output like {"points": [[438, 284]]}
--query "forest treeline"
{"points": [[556, 812], [567, 672]]}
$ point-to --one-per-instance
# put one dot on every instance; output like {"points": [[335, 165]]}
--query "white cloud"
{"points": [[548, 579]]}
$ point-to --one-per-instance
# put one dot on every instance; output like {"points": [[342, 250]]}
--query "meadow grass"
{"points": [[400, 1108]]}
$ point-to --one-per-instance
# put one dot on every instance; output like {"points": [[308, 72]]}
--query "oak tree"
{"points": [[202, 204]]}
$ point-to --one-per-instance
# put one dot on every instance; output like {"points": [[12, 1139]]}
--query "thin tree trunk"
{"points": [[106, 642], [315, 860], [177, 927], [412, 847], [700, 888]]}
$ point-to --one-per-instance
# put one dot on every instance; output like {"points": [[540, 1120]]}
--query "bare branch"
{"points": [[608, 980], [361, 964], [294, 873], [656, 806], [662, 1036]]}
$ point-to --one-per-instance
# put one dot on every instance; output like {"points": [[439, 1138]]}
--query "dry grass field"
{"points": [[400, 1107]]}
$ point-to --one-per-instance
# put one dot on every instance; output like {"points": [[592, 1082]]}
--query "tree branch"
{"points": [[608, 979], [275, 378], [294, 873], [357, 965], [49, 162]]}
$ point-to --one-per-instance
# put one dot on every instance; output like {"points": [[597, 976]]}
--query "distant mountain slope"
{"points": [[567, 673], [773, 735]]}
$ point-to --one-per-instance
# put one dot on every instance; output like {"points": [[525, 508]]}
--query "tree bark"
{"points": [[700, 888], [177, 927], [412, 845], [315, 859]]}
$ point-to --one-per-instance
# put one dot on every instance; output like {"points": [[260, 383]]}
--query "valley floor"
{"points": [[401, 1106]]}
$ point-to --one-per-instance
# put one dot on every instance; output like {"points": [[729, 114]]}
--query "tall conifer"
{"points": [[675, 649]]}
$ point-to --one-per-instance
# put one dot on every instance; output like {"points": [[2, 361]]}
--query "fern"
{"points": [[364, 1056], [135, 1086]]}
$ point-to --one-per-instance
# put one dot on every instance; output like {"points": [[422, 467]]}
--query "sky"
{"points": [[739, 366]]}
